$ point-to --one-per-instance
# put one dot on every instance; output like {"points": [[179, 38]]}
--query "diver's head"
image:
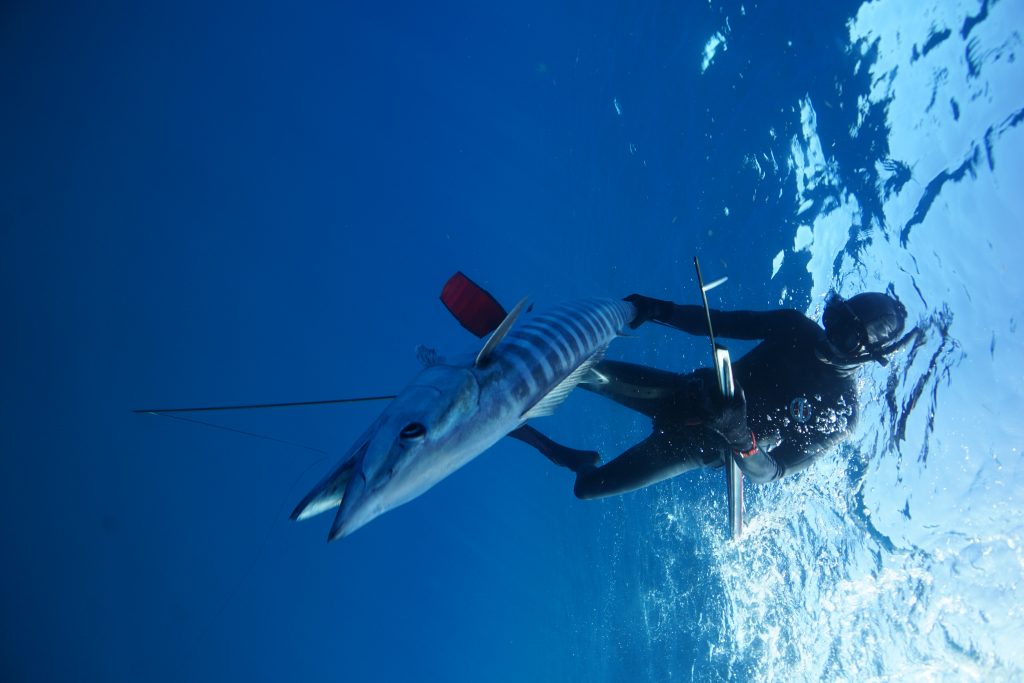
{"points": [[863, 328]]}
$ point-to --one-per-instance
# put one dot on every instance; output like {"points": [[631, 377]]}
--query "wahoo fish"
{"points": [[452, 411]]}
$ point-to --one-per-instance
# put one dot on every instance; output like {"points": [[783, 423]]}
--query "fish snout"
{"points": [[352, 513], [368, 491]]}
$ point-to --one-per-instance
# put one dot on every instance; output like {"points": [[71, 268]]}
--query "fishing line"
{"points": [[247, 575], [165, 412], [237, 431], [251, 406]]}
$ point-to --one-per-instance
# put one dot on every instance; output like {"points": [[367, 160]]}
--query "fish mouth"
{"points": [[330, 492], [359, 488], [393, 461], [354, 511], [369, 490]]}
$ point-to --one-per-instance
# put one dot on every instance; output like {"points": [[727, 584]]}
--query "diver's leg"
{"points": [[644, 389], [656, 458], [563, 456]]}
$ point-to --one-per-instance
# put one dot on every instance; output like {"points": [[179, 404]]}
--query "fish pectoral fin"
{"points": [[584, 373], [500, 333]]}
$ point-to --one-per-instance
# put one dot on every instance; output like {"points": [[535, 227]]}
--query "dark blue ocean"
{"points": [[221, 203]]}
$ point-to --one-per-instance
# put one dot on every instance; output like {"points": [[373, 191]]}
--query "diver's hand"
{"points": [[649, 309], [729, 421]]}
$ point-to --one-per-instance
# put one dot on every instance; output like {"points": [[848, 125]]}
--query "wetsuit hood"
{"points": [[863, 328]]}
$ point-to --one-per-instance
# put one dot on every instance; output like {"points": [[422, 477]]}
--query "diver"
{"points": [[795, 398]]}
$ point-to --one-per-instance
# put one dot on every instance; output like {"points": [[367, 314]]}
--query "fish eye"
{"points": [[413, 430]]}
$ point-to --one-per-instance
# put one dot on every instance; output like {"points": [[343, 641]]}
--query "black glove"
{"points": [[729, 421], [649, 309]]}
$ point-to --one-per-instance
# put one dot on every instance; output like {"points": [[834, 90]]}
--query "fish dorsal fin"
{"points": [[584, 373], [500, 333]]}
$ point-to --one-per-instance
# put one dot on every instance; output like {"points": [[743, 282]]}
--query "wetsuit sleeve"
{"points": [[786, 458], [759, 468], [737, 324]]}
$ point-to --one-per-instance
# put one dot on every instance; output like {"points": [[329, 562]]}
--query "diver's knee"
{"points": [[582, 493], [586, 488]]}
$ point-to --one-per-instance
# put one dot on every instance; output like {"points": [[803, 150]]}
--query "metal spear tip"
{"points": [[711, 285]]}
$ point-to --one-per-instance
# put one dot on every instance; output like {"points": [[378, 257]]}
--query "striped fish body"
{"points": [[525, 376], [452, 412]]}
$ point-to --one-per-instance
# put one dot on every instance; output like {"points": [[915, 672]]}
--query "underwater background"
{"points": [[226, 203]]}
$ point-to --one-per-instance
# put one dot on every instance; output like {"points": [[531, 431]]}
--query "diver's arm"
{"points": [[736, 324], [785, 459], [786, 323], [759, 468]]}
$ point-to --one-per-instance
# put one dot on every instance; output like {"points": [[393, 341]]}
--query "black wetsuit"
{"points": [[798, 407]]}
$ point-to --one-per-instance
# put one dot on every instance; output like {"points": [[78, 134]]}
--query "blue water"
{"points": [[205, 205]]}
